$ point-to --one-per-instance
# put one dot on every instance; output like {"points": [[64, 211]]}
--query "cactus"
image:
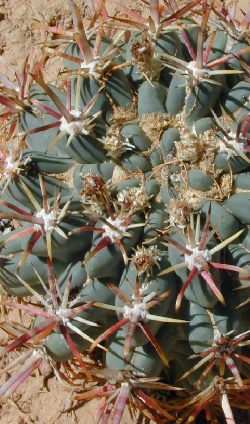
{"points": [[127, 186]]}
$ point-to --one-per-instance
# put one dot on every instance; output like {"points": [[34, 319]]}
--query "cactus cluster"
{"points": [[125, 208]]}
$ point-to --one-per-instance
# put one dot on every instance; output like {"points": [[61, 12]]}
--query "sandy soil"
{"points": [[40, 399]]}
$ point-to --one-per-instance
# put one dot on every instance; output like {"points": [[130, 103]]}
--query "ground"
{"points": [[40, 399]]}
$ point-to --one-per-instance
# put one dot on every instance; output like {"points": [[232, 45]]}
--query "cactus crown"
{"points": [[127, 181]]}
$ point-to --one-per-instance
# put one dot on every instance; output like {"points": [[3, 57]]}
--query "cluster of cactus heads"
{"points": [[125, 208]]}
